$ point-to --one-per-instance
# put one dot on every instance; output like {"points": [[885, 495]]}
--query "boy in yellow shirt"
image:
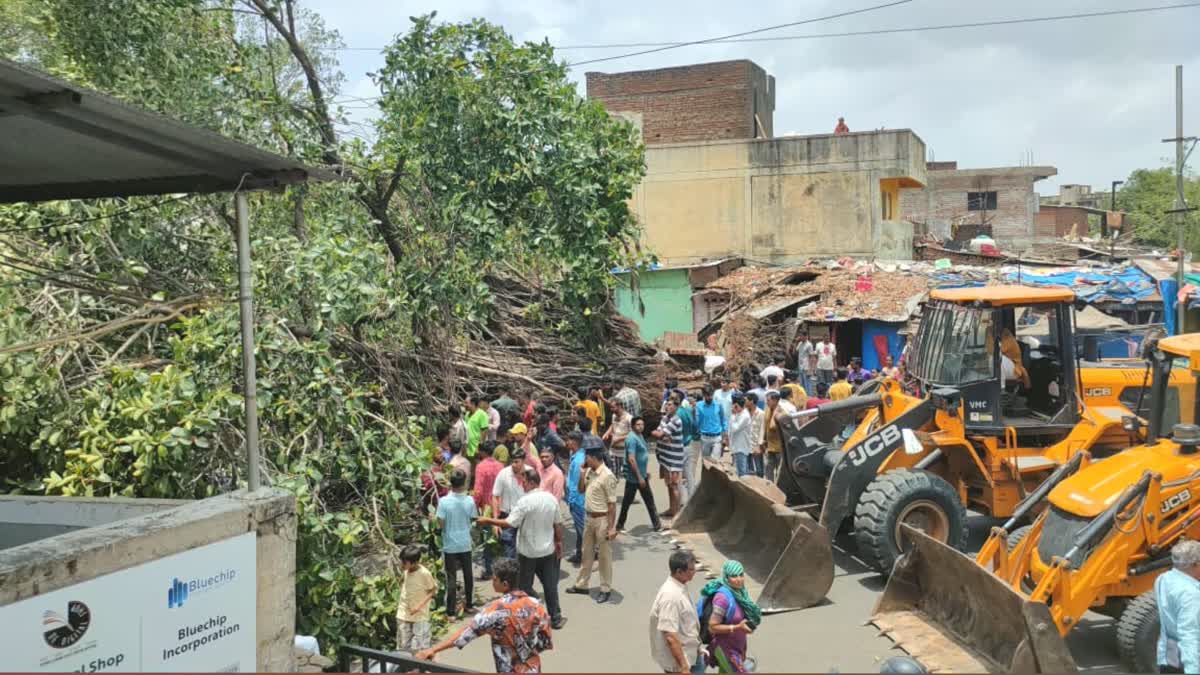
{"points": [[417, 589], [840, 389]]}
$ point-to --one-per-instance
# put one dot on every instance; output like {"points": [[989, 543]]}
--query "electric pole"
{"points": [[1181, 208], [1180, 204]]}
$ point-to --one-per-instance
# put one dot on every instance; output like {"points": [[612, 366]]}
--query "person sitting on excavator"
{"points": [[1011, 349]]}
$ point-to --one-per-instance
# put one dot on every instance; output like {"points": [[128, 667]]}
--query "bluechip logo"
{"points": [[176, 594], [179, 591]]}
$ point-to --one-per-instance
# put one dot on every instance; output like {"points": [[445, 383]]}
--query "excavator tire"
{"points": [[1137, 634], [1018, 535], [917, 498]]}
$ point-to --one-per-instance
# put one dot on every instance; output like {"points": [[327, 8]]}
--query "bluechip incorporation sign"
{"points": [[193, 611]]}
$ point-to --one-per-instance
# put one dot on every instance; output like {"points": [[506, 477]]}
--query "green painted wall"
{"points": [[667, 296]]}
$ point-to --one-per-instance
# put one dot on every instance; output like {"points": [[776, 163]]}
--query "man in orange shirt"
{"points": [[589, 408], [841, 127]]}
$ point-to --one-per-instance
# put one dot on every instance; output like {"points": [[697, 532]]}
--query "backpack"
{"points": [[704, 609]]}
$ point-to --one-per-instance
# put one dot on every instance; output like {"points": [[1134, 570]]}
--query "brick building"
{"points": [[703, 102], [961, 203]]}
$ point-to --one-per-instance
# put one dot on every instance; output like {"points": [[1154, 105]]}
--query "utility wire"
{"points": [[912, 29], [676, 45], [663, 48], [817, 36]]}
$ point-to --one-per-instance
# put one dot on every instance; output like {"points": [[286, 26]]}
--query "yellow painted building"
{"points": [[780, 199]]}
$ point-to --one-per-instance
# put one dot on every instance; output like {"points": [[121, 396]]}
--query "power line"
{"points": [[737, 35], [817, 36], [732, 35]]}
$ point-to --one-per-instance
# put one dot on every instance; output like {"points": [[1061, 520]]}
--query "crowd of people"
{"points": [[509, 479]]}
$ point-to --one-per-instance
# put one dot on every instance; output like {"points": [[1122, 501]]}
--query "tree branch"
{"points": [[323, 120]]}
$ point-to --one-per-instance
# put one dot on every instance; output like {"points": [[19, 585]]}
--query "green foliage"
{"points": [[1147, 195], [120, 361], [498, 161]]}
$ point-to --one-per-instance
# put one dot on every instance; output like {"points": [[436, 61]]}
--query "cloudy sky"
{"points": [[1092, 97]]}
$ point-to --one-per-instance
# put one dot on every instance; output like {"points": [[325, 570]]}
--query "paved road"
{"points": [[830, 637]]}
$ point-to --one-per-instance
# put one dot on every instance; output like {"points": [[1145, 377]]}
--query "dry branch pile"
{"points": [[520, 350]]}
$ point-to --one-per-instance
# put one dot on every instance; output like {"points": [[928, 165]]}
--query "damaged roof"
{"points": [[821, 293]]}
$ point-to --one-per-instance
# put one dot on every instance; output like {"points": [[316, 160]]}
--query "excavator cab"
{"points": [[1010, 353], [1101, 533]]}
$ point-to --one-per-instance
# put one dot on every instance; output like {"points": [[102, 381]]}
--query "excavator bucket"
{"points": [[787, 555], [953, 615]]}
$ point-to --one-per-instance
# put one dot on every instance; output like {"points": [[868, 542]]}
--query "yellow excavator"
{"points": [[996, 400], [1101, 533]]}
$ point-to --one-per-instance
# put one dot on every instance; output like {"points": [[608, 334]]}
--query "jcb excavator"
{"points": [[995, 402], [1102, 532]]}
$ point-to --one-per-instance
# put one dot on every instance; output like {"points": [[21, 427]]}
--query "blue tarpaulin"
{"points": [[954, 280], [873, 334], [1169, 288], [1119, 284]]}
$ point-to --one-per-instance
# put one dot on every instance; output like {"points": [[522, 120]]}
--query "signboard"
{"points": [[192, 611]]}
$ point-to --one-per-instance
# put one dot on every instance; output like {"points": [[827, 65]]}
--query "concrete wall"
{"points": [[27, 519], [943, 202], [58, 562], [667, 296], [777, 200], [707, 101]]}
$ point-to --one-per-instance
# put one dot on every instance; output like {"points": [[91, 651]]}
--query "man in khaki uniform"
{"points": [[599, 486]]}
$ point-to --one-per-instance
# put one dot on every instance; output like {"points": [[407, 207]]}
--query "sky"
{"points": [[1093, 97]]}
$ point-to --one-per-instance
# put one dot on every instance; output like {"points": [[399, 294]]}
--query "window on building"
{"points": [[981, 201]]}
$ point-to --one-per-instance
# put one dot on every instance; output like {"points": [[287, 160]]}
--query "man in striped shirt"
{"points": [[670, 453]]}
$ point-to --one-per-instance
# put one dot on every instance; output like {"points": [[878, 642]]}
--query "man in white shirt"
{"points": [[674, 623], [539, 540], [740, 438], [826, 361], [758, 422], [506, 491], [785, 401], [806, 361], [772, 370]]}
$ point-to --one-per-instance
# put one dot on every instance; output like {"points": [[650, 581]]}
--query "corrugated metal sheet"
{"points": [[62, 141]]}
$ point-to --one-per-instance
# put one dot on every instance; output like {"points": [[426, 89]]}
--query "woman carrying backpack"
{"points": [[730, 616]]}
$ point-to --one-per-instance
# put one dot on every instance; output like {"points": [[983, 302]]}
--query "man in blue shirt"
{"points": [[1178, 595], [455, 513], [574, 496], [724, 396], [713, 424], [760, 391]]}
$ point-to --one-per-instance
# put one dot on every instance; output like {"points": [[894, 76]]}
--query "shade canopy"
{"points": [[62, 141]]}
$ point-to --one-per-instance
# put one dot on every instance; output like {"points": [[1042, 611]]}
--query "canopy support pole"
{"points": [[246, 307]]}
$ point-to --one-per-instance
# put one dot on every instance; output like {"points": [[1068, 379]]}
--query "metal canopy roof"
{"points": [[62, 141]]}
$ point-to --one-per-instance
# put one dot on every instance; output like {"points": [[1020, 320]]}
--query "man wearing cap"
{"points": [[519, 437], [507, 490], [599, 486]]}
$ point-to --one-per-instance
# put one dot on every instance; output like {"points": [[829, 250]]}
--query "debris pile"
{"points": [[521, 350]]}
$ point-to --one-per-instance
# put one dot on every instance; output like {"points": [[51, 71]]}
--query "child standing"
{"points": [[417, 589], [455, 512]]}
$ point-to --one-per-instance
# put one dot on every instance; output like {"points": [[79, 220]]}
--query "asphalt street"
{"points": [[830, 637]]}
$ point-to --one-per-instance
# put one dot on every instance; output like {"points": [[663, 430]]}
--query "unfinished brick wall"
{"points": [[943, 202], [704, 102]]}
